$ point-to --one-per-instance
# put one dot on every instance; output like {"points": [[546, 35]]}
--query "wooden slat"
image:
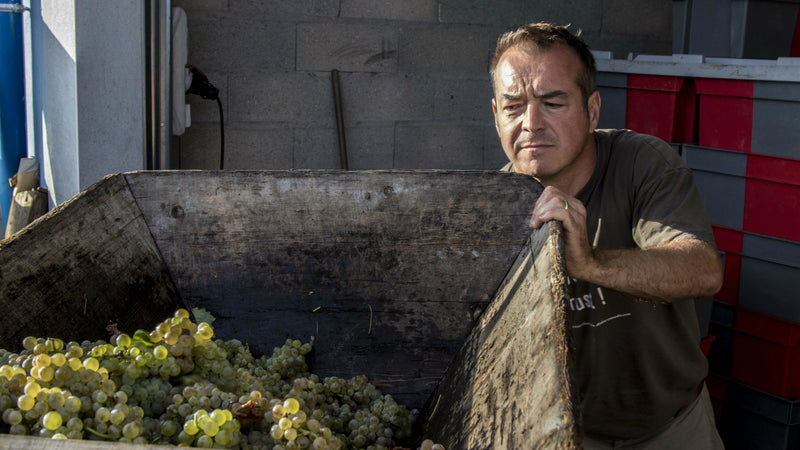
{"points": [[510, 386], [386, 268], [9, 442], [87, 264]]}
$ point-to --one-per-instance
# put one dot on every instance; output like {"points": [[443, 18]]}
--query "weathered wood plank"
{"points": [[9, 442], [388, 269], [88, 263], [510, 385]]}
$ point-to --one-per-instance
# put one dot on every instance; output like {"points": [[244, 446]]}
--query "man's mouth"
{"points": [[535, 146]]}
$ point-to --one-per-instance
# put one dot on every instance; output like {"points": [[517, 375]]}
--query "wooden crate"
{"points": [[428, 282]]}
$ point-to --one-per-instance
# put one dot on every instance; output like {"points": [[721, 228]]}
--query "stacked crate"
{"points": [[737, 125]]}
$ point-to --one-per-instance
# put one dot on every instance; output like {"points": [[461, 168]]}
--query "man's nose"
{"points": [[532, 118]]}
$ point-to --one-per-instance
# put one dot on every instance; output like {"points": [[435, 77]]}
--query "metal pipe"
{"points": [[157, 53], [337, 103], [13, 8], [27, 56]]}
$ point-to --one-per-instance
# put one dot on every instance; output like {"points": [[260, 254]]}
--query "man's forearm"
{"points": [[678, 270]]}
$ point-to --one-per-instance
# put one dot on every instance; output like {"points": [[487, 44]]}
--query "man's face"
{"points": [[544, 127]]}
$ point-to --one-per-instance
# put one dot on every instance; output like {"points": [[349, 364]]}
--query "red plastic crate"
{"points": [[765, 167], [726, 113], [766, 354], [663, 106], [729, 241], [772, 197]]}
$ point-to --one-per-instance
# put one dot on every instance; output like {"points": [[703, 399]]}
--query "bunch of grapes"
{"points": [[178, 385]]}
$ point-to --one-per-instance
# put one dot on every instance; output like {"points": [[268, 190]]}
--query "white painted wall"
{"points": [[88, 69]]}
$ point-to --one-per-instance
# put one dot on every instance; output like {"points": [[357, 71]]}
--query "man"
{"points": [[638, 244]]}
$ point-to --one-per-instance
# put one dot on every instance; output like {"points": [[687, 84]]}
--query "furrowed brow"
{"points": [[551, 94], [511, 97]]}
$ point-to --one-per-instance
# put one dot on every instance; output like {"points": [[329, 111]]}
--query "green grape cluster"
{"points": [[178, 385]]}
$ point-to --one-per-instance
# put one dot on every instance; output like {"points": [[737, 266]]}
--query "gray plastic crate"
{"points": [[735, 28], [769, 276], [753, 419], [723, 313], [719, 175], [776, 109], [613, 88]]}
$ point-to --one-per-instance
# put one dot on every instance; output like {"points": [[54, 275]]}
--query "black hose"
{"points": [[337, 102]]}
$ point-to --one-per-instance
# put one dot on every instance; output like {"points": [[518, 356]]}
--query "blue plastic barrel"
{"points": [[13, 144]]}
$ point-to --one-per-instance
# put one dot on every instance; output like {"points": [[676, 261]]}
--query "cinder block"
{"points": [[411, 10], [587, 17], [198, 148], [438, 147], [463, 99], [293, 10], [204, 5], [225, 42], [650, 18], [281, 97], [256, 147], [476, 12], [487, 12], [382, 97], [370, 147], [458, 50], [510, 13], [346, 47], [316, 148], [204, 110], [494, 158]]}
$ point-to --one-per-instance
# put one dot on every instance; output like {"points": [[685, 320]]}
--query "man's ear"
{"points": [[494, 111], [593, 107]]}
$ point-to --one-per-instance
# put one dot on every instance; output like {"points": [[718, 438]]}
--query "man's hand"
{"points": [[672, 271], [554, 204]]}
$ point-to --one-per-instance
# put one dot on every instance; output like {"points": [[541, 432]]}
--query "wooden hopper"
{"points": [[430, 283]]}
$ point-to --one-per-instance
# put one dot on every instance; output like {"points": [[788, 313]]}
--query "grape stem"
{"points": [[97, 433], [307, 432]]}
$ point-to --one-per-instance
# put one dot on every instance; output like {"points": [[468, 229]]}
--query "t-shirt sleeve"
{"points": [[667, 205]]}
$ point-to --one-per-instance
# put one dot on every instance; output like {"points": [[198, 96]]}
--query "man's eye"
{"points": [[513, 107], [552, 105]]}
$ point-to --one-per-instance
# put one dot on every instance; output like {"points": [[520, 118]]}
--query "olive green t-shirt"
{"points": [[637, 361]]}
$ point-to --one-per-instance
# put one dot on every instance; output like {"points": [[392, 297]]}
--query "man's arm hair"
{"points": [[676, 270]]}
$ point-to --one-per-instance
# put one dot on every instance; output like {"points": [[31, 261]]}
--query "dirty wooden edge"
{"points": [[559, 279], [551, 240], [20, 250]]}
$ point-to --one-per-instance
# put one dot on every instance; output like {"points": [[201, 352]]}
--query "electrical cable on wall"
{"points": [[200, 85]]}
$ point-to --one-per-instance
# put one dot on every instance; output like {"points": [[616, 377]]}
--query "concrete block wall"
{"points": [[414, 76]]}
